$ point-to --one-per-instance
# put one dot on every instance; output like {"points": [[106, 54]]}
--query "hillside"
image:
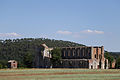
{"points": [[23, 50], [115, 54]]}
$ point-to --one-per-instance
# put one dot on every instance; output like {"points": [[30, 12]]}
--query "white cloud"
{"points": [[99, 32], [64, 32], [87, 31], [9, 35], [93, 31], [80, 34]]}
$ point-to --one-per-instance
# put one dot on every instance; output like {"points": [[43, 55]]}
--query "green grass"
{"points": [[59, 74]]}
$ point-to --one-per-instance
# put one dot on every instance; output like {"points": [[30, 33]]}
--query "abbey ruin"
{"points": [[84, 57], [74, 57]]}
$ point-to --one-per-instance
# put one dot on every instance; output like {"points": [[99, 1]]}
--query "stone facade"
{"points": [[46, 52], [113, 64], [84, 57], [42, 57], [12, 64]]}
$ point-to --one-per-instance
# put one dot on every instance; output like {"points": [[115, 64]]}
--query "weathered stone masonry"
{"points": [[12, 64], [84, 57], [42, 57]]}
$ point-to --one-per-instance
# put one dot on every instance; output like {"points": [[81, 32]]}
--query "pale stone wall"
{"points": [[12, 64], [42, 57]]}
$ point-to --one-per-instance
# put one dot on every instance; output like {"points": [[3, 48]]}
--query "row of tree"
{"points": [[113, 57]]}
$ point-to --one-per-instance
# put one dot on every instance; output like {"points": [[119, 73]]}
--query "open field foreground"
{"points": [[59, 74]]}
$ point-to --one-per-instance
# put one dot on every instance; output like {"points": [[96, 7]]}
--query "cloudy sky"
{"points": [[89, 22]]}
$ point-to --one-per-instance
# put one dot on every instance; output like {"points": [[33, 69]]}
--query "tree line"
{"points": [[24, 50]]}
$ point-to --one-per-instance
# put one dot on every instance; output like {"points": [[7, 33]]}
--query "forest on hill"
{"points": [[116, 57], [113, 57], [115, 54], [23, 50]]}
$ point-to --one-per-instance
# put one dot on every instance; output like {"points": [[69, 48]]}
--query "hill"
{"points": [[115, 54], [23, 50]]}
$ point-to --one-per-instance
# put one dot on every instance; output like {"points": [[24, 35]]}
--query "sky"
{"points": [[88, 22]]}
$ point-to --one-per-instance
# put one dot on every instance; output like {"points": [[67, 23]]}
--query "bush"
{"points": [[1, 66], [118, 63], [56, 57]]}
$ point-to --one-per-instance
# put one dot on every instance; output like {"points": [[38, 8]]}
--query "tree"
{"points": [[56, 57], [118, 63], [110, 58], [1, 66], [28, 59]]}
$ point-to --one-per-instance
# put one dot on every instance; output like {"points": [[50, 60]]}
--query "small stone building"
{"points": [[113, 64], [12, 64], [84, 57], [42, 57]]}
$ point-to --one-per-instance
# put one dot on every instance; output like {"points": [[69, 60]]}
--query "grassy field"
{"points": [[59, 74]]}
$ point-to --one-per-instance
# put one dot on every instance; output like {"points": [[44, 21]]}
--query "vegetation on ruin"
{"points": [[118, 63], [56, 57], [109, 57], [113, 56]]}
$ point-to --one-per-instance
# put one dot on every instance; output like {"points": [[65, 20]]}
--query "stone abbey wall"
{"points": [[75, 63], [84, 57], [76, 53], [42, 57], [73, 57]]}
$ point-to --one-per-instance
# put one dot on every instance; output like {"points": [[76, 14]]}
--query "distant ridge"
{"points": [[115, 54]]}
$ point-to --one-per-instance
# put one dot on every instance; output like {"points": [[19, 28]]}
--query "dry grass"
{"points": [[58, 74]]}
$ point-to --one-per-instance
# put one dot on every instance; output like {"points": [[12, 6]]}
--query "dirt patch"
{"points": [[59, 73]]}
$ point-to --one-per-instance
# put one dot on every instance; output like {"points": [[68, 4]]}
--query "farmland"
{"points": [[59, 74]]}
